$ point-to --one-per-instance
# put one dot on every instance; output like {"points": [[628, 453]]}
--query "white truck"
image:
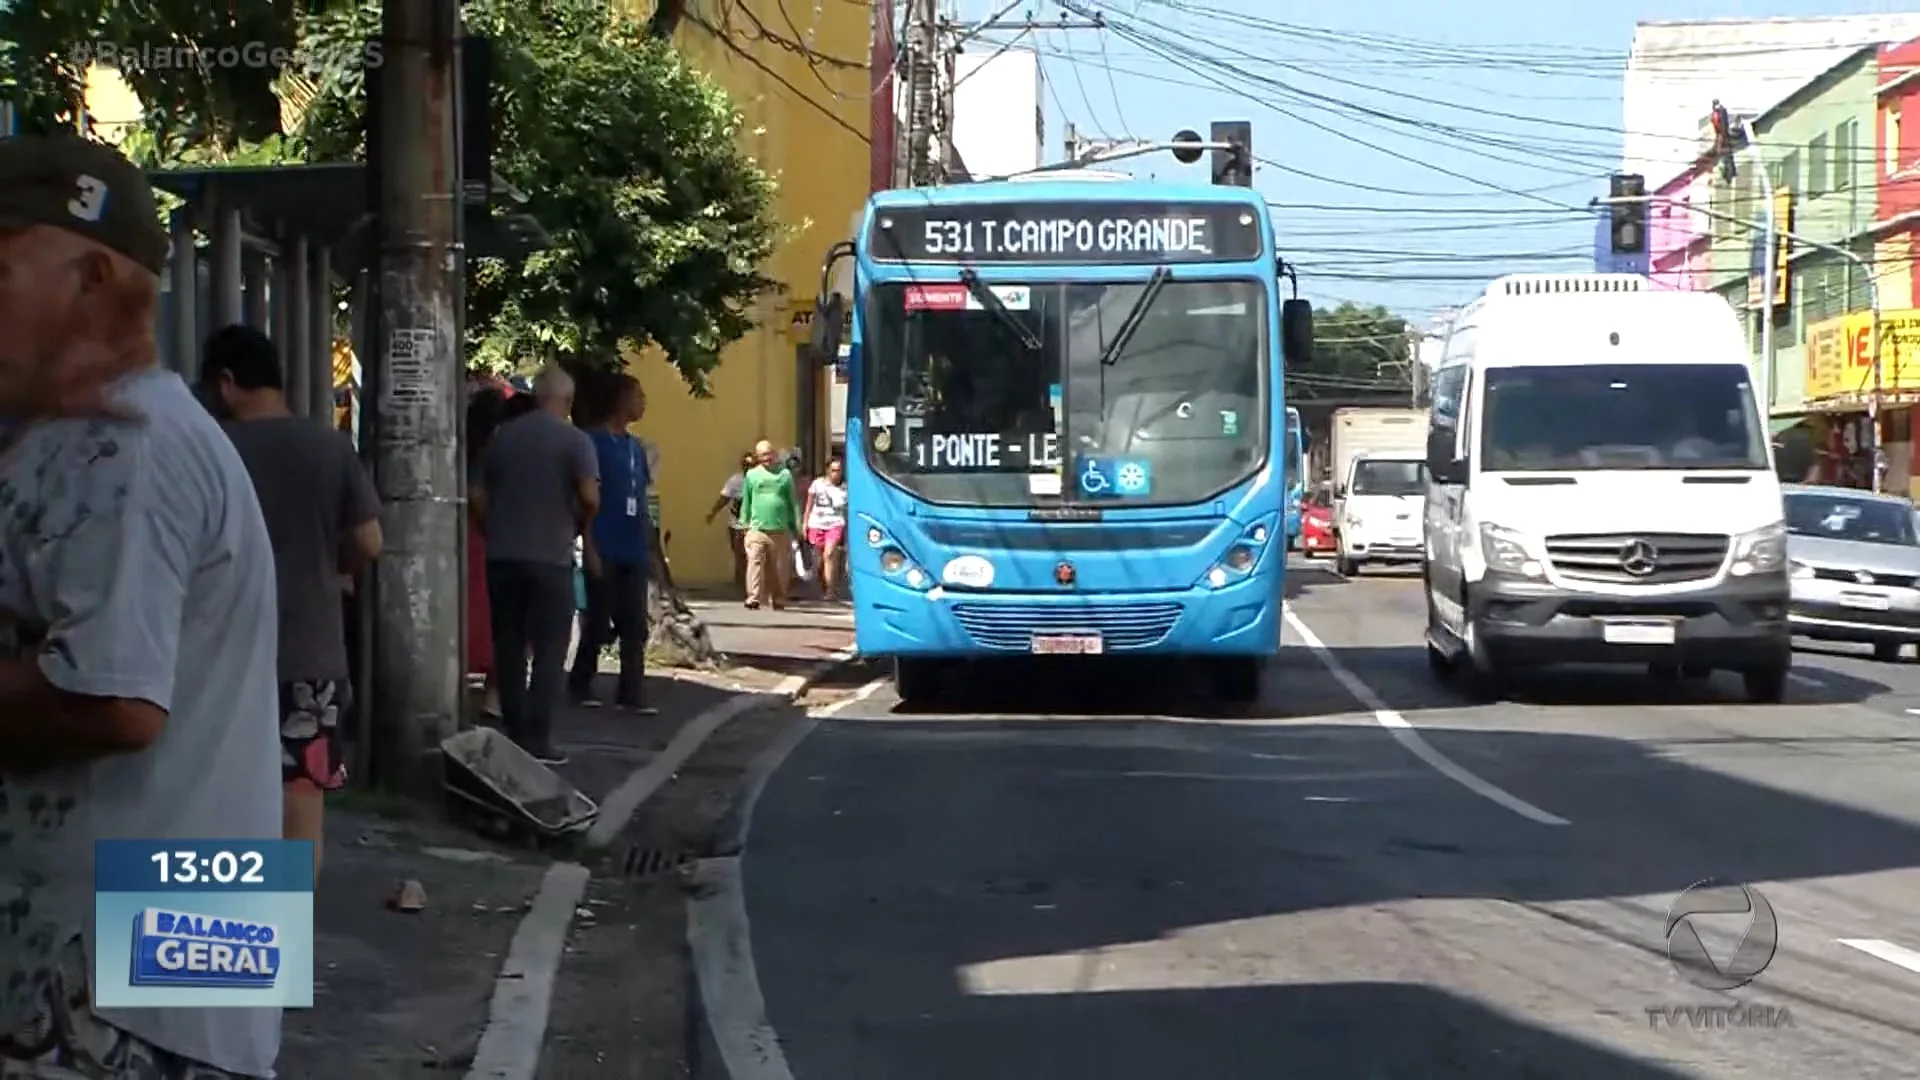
{"points": [[1380, 484]]}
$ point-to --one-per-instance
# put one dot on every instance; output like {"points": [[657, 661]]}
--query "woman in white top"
{"points": [[827, 525]]}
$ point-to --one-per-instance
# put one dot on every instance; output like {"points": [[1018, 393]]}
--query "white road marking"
{"points": [[720, 936], [523, 994], [1406, 735], [1898, 956]]}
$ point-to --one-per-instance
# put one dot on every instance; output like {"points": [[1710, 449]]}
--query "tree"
{"points": [[1357, 349], [629, 157]]}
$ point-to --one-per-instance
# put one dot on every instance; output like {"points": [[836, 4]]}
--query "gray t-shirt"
{"points": [[531, 473], [314, 492], [134, 560]]}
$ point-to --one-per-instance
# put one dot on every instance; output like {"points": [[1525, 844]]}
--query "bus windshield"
{"points": [[961, 408]]}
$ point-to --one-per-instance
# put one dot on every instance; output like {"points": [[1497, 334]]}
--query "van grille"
{"points": [[1656, 558], [1012, 627]]}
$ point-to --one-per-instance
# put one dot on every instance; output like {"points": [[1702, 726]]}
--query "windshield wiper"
{"points": [[991, 301], [1135, 316]]}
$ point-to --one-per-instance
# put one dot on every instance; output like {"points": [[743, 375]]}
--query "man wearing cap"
{"points": [[138, 630]]}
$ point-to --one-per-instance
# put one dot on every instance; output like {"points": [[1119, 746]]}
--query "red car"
{"points": [[1316, 524]]}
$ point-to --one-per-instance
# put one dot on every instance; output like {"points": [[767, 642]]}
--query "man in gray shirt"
{"points": [[324, 519], [536, 491], [137, 619]]}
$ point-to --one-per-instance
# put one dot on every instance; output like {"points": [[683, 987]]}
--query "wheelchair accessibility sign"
{"points": [[1114, 478]]}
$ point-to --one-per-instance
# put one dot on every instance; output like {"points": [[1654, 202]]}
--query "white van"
{"points": [[1379, 519], [1601, 487]]}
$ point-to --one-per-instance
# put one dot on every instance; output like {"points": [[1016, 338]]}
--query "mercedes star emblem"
{"points": [[1639, 558]]}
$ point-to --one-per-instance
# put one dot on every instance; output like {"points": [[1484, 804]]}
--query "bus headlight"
{"points": [[875, 537], [893, 559], [1762, 551], [1242, 556]]}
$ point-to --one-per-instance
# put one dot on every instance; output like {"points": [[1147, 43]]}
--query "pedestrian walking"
{"points": [[484, 413], [729, 502], [138, 624], [770, 513], [537, 492], [323, 518], [827, 527], [616, 608]]}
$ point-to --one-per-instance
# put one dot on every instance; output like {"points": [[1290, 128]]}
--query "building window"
{"points": [[1816, 167], [1787, 174], [1892, 126], [1846, 153]]}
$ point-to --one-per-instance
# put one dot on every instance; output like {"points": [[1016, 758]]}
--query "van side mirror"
{"points": [[829, 318], [1442, 466], [1296, 332]]}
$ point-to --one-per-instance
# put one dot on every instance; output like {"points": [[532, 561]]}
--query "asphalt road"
{"points": [[1366, 876]]}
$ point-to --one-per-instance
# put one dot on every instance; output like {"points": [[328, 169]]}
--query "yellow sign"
{"points": [[1840, 355], [800, 322]]}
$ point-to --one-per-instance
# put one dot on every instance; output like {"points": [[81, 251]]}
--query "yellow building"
{"points": [[809, 128]]}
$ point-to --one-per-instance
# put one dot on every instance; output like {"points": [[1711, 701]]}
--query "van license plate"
{"points": [[1638, 633], [1068, 644], [1865, 601]]}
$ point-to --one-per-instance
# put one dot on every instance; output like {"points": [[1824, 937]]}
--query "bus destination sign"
{"points": [[1113, 233]]}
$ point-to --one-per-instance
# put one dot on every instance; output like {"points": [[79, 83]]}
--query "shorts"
{"points": [[831, 536], [66, 1041], [311, 754]]}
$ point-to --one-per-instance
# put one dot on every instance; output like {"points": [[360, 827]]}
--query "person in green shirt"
{"points": [[770, 512]]}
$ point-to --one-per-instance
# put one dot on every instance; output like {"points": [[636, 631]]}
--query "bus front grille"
{"points": [[1121, 626]]}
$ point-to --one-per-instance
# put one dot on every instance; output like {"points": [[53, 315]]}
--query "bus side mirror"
{"points": [[1296, 332], [829, 318]]}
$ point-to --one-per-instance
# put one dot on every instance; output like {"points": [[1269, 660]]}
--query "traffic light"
{"points": [[1629, 219], [1233, 166]]}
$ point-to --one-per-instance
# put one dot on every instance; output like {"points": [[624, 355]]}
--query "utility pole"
{"points": [[416, 694], [921, 58]]}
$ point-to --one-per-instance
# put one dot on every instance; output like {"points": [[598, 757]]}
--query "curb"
{"points": [[733, 1038], [515, 1033]]}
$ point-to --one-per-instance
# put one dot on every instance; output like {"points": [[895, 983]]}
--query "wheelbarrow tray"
{"points": [[484, 767]]}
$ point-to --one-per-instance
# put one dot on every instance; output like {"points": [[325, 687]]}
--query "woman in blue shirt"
{"points": [[617, 595]]}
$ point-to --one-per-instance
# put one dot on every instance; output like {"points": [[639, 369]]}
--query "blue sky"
{"points": [[1395, 178]]}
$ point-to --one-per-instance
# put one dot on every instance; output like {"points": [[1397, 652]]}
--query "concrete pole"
{"points": [[920, 90], [184, 275], [297, 348], [255, 277], [320, 334], [417, 680], [1767, 283]]}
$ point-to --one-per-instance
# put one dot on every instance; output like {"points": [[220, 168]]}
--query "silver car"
{"points": [[1856, 564]]}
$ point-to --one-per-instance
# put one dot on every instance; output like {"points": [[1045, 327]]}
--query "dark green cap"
{"points": [[86, 187]]}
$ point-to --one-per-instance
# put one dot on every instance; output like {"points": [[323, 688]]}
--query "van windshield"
{"points": [[1840, 517], [1385, 477], [1621, 416]]}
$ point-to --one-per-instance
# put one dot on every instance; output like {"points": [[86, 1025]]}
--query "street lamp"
{"points": [[1774, 235]]}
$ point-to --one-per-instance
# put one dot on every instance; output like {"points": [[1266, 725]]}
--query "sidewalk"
{"points": [[408, 994]]}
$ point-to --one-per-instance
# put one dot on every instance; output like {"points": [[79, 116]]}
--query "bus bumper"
{"points": [[1238, 619]]}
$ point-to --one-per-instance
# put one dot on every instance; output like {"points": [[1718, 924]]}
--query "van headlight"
{"points": [[1506, 552], [1799, 570], [1762, 551]]}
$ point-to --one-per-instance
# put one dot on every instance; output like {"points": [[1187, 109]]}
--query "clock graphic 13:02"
{"points": [[203, 923]]}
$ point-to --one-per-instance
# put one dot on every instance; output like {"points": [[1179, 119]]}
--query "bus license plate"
{"points": [[1068, 644], [1638, 633]]}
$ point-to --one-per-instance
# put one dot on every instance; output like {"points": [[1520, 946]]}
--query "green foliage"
{"points": [[628, 156], [1358, 349]]}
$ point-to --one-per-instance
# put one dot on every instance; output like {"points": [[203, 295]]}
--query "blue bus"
{"points": [[1296, 483], [1065, 427]]}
